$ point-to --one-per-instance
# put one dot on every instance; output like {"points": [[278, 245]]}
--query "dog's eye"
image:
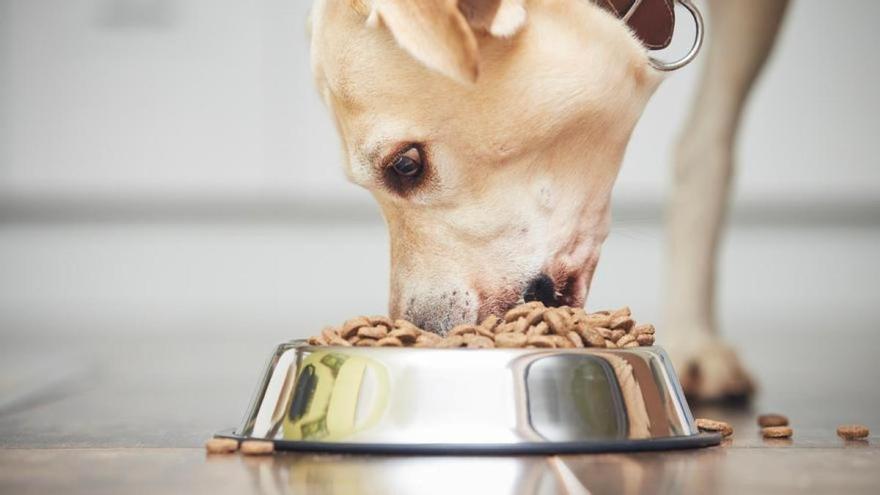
{"points": [[407, 170], [408, 163]]}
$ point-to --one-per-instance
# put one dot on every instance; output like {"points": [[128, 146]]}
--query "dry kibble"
{"points": [[428, 339], [578, 314], [463, 330], [510, 340], [598, 320], [562, 342], [530, 325], [452, 342], [404, 324], [485, 332], [521, 325], [556, 322], [503, 328], [539, 329], [377, 332], [328, 333], [623, 322], [221, 446], [381, 320], [642, 329], [853, 432], [535, 316], [592, 337], [350, 327], [624, 311], [541, 341], [776, 432], [257, 447], [337, 340], [575, 339], [711, 425], [405, 335], [389, 342], [480, 342], [766, 420], [518, 312], [490, 322]]}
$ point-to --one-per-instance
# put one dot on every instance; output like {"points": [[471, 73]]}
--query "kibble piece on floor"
{"points": [[766, 420], [257, 447], [853, 432], [221, 446], [711, 425], [776, 432]]}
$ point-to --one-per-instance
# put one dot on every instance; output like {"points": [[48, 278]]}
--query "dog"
{"points": [[491, 132]]}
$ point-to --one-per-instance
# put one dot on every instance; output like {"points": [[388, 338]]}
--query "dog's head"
{"points": [[490, 133]]}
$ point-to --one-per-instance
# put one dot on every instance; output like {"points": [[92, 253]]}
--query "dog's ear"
{"points": [[500, 18], [440, 33]]}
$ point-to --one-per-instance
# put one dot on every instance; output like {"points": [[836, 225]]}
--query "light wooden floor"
{"points": [[811, 463]]}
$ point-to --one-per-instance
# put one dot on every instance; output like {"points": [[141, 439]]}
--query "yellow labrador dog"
{"points": [[491, 141], [491, 133]]}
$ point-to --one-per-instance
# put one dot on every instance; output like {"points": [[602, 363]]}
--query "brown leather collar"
{"points": [[652, 21]]}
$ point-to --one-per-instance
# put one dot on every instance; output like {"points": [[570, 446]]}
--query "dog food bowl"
{"points": [[465, 401]]}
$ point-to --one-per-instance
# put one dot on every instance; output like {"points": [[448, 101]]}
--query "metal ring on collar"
{"points": [[695, 48]]}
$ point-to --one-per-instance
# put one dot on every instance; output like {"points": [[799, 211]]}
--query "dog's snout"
{"points": [[542, 289], [440, 310]]}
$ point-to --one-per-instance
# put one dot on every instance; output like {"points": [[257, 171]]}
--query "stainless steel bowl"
{"points": [[496, 401]]}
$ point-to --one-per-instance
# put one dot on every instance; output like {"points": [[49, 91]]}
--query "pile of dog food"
{"points": [[529, 325]]}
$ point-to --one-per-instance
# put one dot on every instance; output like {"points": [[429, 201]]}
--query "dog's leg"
{"points": [[742, 35]]}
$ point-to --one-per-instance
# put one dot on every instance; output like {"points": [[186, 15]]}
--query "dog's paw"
{"points": [[711, 371]]}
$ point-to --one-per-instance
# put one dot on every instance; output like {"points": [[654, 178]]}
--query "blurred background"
{"points": [[172, 204]]}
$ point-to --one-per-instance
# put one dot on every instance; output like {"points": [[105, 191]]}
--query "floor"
{"points": [[124, 347]]}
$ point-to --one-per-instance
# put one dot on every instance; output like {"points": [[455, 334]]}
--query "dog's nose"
{"points": [[541, 289]]}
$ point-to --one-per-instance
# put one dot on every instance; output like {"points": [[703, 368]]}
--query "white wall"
{"points": [[214, 97]]}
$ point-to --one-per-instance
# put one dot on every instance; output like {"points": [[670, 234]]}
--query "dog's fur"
{"points": [[522, 109]]}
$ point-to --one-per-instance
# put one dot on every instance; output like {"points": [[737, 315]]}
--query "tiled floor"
{"points": [[125, 347]]}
